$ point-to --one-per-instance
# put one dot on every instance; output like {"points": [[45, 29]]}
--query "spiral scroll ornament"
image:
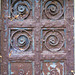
{"points": [[20, 40], [21, 8], [54, 72], [54, 40], [53, 9]]}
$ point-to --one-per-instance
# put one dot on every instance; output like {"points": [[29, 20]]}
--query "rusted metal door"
{"points": [[37, 37]]}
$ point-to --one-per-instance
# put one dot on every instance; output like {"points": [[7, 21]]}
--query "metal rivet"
{"points": [[37, 49], [30, 24], [43, 56], [43, 23], [37, 39], [5, 40], [4, 49], [37, 72], [39, 5], [37, 17], [37, 63], [5, 30], [69, 49], [37, 30], [20, 65], [21, 24], [69, 30], [5, 62], [5, 72], [53, 56], [69, 39]]}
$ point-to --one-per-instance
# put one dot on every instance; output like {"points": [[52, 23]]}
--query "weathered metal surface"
{"points": [[53, 39], [52, 9], [20, 9], [41, 36], [0, 8], [52, 68], [20, 68], [21, 43], [20, 39]]}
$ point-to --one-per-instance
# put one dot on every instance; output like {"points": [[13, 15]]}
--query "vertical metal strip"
{"points": [[33, 7], [9, 7], [64, 8], [0, 37], [74, 35], [41, 67], [33, 73], [9, 40], [9, 69], [33, 41], [41, 38], [0, 8], [0, 54], [65, 35], [41, 8]]}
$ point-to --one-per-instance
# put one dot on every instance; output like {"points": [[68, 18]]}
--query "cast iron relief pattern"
{"points": [[20, 9], [52, 68], [20, 39], [24, 68], [52, 9], [53, 39]]}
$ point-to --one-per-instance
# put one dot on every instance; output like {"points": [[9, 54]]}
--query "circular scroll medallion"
{"points": [[54, 72], [21, 8], [53, 9], [21, 72], [54, 40], [20, 40]]}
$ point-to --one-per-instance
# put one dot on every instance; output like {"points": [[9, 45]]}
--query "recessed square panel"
{"points": [[53, 39], [20, 40], [52, 9], [52, 68], [20, 9], [16, 68]]}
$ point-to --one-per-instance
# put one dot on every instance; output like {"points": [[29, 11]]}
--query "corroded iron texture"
{"points": [[53, 39], [20, 39], [52, 9], [21, 69], [20, 9], [37, 30], [53, 68]]}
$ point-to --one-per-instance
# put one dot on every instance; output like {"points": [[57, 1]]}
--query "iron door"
{"points": [[37, 37]]}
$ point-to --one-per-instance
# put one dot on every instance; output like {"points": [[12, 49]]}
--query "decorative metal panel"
{"points": [[16, 68], [52, 68], [52, 9], [45, 34], [53, 39], [20, 39], [20, 9]]}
